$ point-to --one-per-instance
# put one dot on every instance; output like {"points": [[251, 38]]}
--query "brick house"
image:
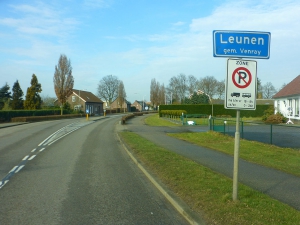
{"points": [[118, 104], [288, 98], [139, 105], [85, 101]]}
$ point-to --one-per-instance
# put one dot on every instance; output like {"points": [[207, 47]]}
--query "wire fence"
{"points": [[281, 135]]}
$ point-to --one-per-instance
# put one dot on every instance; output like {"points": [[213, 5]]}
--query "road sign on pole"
{"points": [[240, 90], [241, 44]]}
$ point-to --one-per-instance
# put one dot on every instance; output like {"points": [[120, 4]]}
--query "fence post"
{"points": [[271, 135]]}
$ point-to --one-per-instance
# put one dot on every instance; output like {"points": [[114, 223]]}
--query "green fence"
{"points": [[194, 119], [282, 135]]}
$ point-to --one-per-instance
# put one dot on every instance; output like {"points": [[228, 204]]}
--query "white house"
{"points": [[287, 100]]}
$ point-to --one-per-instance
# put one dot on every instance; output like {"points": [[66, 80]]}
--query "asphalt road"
{"points": [[79, 174]]}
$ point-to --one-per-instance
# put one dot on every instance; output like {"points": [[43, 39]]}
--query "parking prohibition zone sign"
{"points": [[241, 82]]}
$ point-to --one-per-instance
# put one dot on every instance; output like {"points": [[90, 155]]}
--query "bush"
{"points": [[268, 112], [173, 113], [276, 119], [217, 108]]}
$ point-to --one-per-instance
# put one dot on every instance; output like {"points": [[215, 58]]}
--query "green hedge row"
{"points": [[173, 113], [44, 118], [218, 110], [7, 115]]}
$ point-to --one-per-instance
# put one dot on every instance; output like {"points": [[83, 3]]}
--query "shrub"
{"points": [[268, 112], [173, 113], [276, 119]]}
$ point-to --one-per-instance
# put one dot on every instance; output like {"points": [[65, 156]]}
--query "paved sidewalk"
{"points": [[279, 185]]}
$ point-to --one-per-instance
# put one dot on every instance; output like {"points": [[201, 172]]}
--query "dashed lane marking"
{"points": [[42, 146]]}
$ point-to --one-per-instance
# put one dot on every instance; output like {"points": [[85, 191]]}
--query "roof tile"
{"points": [[87, 96], [292, 88]]}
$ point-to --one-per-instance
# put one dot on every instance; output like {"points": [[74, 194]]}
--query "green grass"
{"points": [[154, 120], [207, 192], [284, 159]]}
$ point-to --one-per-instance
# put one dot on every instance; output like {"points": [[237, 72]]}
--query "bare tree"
{"points": [[47, 101], [268, 90], [178, 86], [122, 94], [208, 85], [154, 92], [259, 94], [220, 90], [161, 94], [108, 88], [63, 80], [192, 84]]}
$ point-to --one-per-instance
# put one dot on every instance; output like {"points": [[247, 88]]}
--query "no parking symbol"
{"points": [[241, 77]]}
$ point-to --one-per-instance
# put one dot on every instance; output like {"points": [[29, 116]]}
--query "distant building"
{"points": [[288, 98], [139, 105], [120, 105], [85, 101]]}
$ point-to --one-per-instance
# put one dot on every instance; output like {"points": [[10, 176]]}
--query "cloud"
{"points": [[179, 23], [267, 15], [40, 19], [97, 3]]}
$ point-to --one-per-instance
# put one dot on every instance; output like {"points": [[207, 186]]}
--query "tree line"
{"points": [[109, 88], [15, 99], [63, 85], [183, 89]]}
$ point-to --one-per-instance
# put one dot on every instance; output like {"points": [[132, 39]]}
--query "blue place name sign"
{"points": [[241, 44]]}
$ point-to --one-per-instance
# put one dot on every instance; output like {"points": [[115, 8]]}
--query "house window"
{"points": [[73, 98], [290, 107], [296, 107]]}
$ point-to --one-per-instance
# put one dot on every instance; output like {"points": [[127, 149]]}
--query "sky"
{"points": [[139, 40]]}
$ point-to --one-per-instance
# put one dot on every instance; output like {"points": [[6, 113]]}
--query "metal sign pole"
{"points": [[236, 157]]}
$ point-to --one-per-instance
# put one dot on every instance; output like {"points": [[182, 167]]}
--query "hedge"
{"points": [[7, 115], [219, 110], [173, 113], [44, 118]]}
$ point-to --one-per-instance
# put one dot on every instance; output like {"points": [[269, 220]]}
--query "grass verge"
{"points": [[284, 159], [154, 120], [207, 192]]}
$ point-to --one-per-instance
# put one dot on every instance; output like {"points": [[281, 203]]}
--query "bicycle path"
{"points": [[278, 185]]}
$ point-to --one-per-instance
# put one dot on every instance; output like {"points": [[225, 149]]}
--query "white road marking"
{"points": [[26, 157], [13, 169], [71, 128], [20, 167], [32, 157], [63, 136], [61, 129], [5, 182]]}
